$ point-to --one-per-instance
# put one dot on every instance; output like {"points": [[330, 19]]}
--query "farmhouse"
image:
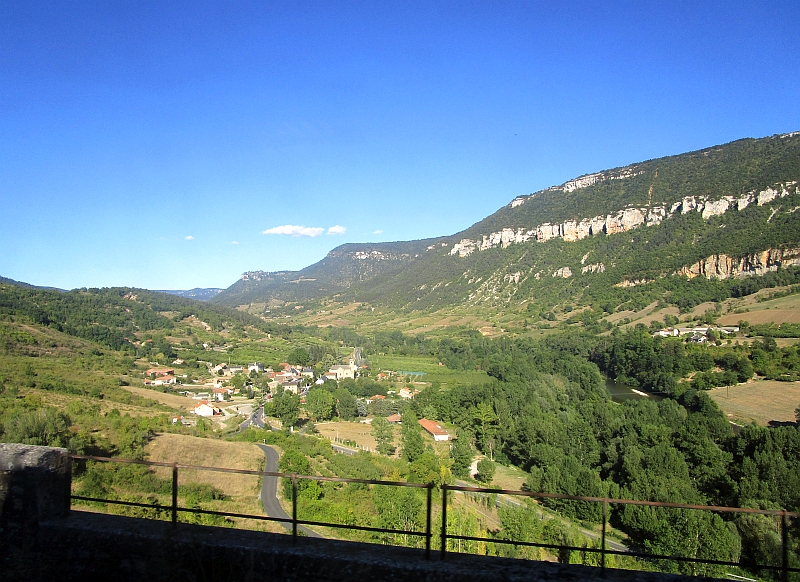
{"points": [[435, 429], [160, 381], [406, 393], [220, 393]]}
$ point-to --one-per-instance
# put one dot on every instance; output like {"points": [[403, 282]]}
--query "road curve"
{"points": [[269, 491]]}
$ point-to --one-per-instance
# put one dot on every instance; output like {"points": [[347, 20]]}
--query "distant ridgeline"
{"points": [[627, 234], [112, 316], [342, 268], [201, 294]]}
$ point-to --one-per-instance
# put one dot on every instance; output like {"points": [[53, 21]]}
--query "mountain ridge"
{"points": [[749, 185]]}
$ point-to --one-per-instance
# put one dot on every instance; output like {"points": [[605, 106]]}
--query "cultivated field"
{"points": [[429, 366], [761, 401]]}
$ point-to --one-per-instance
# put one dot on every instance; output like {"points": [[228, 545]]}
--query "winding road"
{"points": [[269, 491]]}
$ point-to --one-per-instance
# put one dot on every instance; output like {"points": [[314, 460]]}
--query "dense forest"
{"points": [[549, 413]]}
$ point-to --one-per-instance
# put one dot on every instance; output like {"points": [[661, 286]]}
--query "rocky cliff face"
{"points": [[722, 266], [616, 222]]}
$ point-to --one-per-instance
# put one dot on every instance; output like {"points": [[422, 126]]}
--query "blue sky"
{"points": [[153, 144]]}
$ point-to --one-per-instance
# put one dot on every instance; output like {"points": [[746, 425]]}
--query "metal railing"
{"points": [[174, 509]]}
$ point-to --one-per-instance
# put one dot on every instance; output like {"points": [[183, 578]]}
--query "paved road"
{"points": [[269, 490], [256, 418], [343, 450]]}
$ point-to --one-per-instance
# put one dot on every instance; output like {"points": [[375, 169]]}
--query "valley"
{"points": [[504, 338]]}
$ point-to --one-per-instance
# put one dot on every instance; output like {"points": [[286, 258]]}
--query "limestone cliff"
{"points": [[619, 221], [722, 266]]}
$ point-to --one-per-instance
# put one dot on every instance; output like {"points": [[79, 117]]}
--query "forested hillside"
{"points": [[113, 316], [549, 413]]}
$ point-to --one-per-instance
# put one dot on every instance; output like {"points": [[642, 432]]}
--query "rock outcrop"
{"points": [[563, 272], [594, 268], [722, 266], [616, 222]]}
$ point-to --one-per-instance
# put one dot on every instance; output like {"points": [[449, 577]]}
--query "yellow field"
{"points": [[357, 432], [780, 310], [508, 478], [172, 400], [242, 490], [760, 400]]}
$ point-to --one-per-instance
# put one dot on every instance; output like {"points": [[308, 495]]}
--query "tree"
{"points": [[461, 451], [346, 408], [411, 437], [485, 421], [44, 426], [400, 508], [486, 470], [383, 433], [429, 411], [287, 407], [299, 356], [319, 404], [294, 462]]}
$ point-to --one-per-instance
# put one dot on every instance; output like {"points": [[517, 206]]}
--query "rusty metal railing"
{"points": [[603, 550], [175, 509], [784, 568]]}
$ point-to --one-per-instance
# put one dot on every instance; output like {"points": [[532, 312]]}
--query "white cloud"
{"points": [[190, 237], [234, 242], [378, 232], [337, 229], [292, 230]]}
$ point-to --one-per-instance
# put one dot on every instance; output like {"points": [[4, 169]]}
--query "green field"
{"points": [[433, 372]]}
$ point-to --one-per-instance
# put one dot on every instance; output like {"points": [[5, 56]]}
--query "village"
{"points": [[232, 393], [699, 334]]}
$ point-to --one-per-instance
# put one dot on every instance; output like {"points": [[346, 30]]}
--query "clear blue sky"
{"points": [[152, 144]]}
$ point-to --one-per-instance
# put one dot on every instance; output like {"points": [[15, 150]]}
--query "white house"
{"points": [[203, 408], [255, 366], [160, 381]]}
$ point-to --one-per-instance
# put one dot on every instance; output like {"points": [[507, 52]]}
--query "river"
{"points": [[622, 392]]}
